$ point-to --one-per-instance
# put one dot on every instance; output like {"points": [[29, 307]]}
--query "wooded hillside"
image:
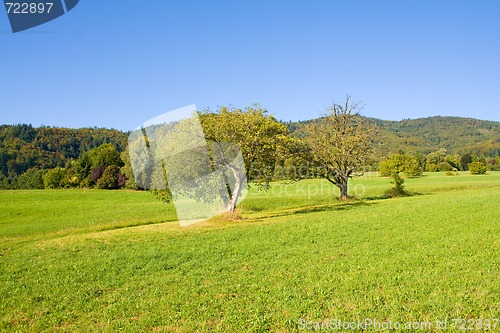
{"points": [[456, 135], [23, 147]]}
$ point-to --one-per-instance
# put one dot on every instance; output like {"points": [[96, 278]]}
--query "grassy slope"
{"points": [[426, 257]]}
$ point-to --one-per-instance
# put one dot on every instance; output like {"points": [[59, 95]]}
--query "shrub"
{"points": [[122, 180], [54, 177], [444, 166], [87, 182], [477, 168], [163, 195], [70, 179], [431, 168], [31, 179], [96, 173], [452, 173]]}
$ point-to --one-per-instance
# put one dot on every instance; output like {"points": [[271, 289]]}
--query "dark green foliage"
{"points": [[465, 160], [110, 178], [127, 172], [70, 179], [494, 163], [87, 182], [477, 168], [83, 166]]}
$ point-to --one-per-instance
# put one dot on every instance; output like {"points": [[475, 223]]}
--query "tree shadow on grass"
{"points": [[338, 206], [393, 195], [334, 207]]}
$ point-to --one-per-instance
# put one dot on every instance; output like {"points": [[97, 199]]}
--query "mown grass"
{"points": [[118, 266]]}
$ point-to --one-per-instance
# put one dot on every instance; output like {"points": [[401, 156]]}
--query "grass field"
{"points": [[77, 260]]}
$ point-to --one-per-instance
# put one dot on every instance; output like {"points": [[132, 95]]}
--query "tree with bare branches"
{"points": [[340, 143]]}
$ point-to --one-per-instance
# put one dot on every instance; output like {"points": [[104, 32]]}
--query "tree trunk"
{"points": [[234, 196], [341, 183], [343, 191]]}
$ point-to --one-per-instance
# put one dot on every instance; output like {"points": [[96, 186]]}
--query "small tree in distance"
{"points": [[397, 164]]}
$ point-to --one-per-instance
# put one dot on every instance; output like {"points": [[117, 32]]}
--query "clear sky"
{"points": [[119, 63]]}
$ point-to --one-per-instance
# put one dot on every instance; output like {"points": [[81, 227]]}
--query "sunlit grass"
{"points": [[106, 262]]}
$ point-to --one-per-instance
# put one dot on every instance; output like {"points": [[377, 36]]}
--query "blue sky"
{"points": [[119, 63]]}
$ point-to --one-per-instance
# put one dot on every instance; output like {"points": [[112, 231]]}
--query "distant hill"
{"points": [[455, 134]]}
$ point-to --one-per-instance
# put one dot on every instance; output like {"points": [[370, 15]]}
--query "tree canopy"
{"points": [[340, 143]]}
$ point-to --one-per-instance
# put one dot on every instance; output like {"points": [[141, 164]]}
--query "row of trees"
{"points": [[401, 165], [335, 147], [441, 161]]}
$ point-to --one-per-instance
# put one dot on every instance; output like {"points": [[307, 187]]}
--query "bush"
{"points": [[87, 182], [432, 168], [96, 173], [452, 173], [395, 193], [163, 195], [31, 179], [444, 166], [477, 168], [54, 178], [70, 179]]}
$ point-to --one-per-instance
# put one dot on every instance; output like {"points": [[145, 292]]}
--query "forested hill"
{"points": [[456, 135], [23, 146]]}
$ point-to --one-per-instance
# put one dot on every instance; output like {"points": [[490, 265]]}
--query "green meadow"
{"points": [[109, 261]]}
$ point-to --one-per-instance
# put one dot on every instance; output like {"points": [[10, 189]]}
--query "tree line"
{"points": [[335, 147]]}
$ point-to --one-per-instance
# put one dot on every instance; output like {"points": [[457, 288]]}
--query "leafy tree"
{"points": [[494, 163], [340, 143], [110, 178], [126, 171], [83, 166], [465, 160], [421, 160], [453, 161], [436, 157], [431, 167], [105, 155], [477, 168], [260, 137]]}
